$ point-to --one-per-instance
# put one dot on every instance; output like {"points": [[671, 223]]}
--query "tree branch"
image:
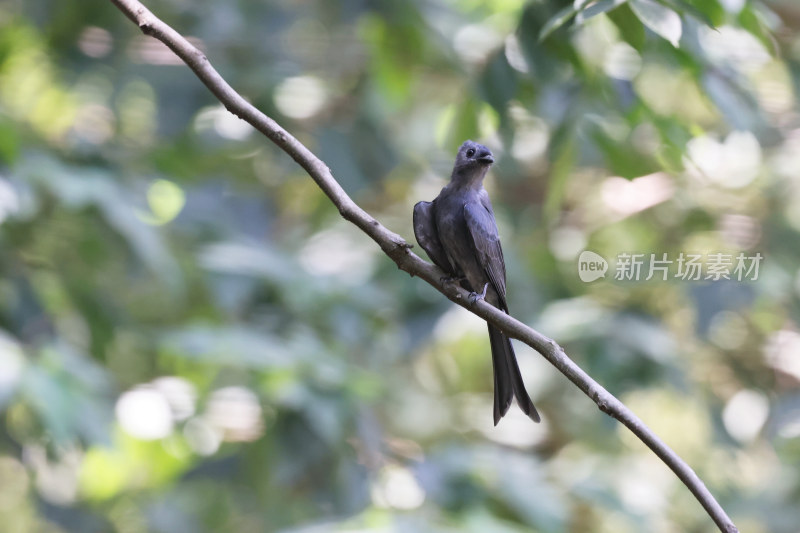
{"points": [[399, 251]]}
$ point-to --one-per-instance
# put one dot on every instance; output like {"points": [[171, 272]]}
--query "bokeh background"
{"points": [[192, 340]]}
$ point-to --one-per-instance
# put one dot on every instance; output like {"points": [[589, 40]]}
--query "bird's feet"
{"points": [[474, 296]]}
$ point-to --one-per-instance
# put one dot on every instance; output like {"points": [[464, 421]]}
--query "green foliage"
{"points": [[191, 339]]}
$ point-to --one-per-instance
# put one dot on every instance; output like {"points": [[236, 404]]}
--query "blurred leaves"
{"points": [[662, 20], [191, 339], [657, 16]]}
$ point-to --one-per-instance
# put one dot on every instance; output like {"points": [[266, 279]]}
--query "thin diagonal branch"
{"points": [[399, 251]]}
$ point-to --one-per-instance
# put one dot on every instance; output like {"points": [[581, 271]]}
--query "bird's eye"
{"points": [[470, 152]]}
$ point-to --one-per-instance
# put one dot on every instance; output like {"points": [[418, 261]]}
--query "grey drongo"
{"points": [[458, 231]]}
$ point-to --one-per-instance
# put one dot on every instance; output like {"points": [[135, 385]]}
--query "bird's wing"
{"points": [[486, 243], [427, 235]]}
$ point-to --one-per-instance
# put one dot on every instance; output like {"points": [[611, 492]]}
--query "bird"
{"points": [[459, 233]]}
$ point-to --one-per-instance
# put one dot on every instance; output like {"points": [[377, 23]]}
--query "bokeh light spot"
{"points": [[144, 413], [166, 200], [95, 42], [301, 97], [745, 414], [396, 487], [236, 413]]}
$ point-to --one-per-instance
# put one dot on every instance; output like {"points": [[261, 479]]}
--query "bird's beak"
{"points": [[486, 158]]}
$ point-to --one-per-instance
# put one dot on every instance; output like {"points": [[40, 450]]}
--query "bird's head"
{"points": [[472, 162]]}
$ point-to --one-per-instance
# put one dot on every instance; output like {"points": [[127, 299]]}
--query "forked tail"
{"points": [[508, 382]]}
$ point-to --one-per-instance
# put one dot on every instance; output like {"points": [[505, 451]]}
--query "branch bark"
{"points": [[399, 251]]}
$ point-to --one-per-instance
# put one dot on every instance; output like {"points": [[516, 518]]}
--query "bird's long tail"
{"points": [[508, 382]]}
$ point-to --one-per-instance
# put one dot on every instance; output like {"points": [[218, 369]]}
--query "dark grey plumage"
{"points": [[458, 231]]}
